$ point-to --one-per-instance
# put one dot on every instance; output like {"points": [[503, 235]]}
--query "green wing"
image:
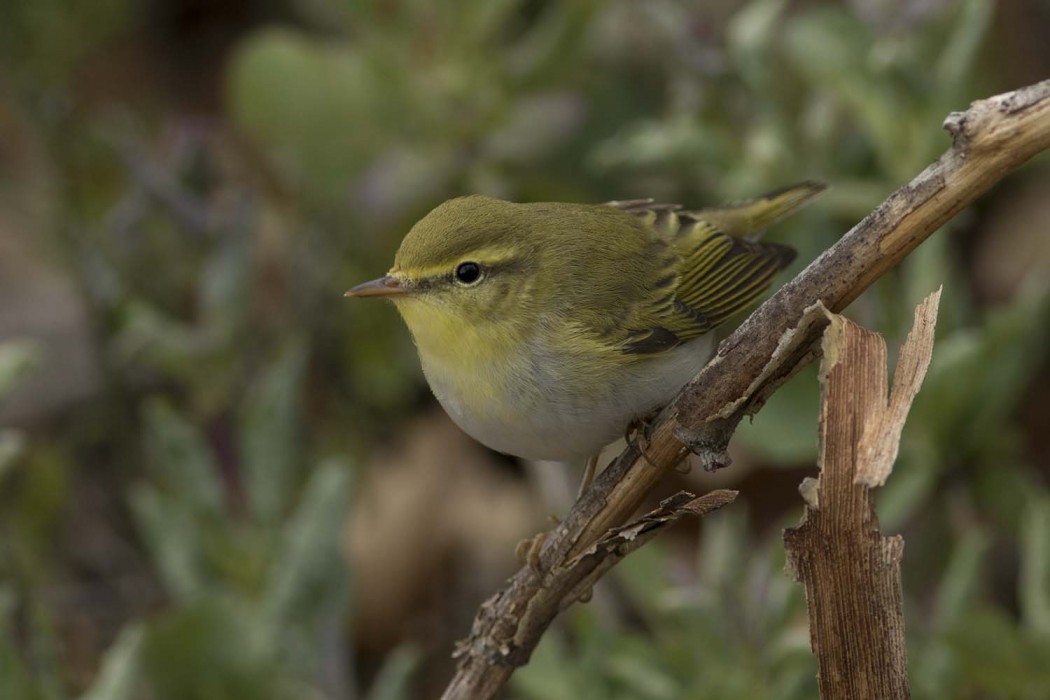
{"points": [[714, 270]]}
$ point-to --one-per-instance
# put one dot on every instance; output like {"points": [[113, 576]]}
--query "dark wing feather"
{"points": [[715, 275]]}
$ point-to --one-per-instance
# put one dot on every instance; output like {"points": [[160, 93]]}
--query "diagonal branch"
{"points": [[990, 139]]}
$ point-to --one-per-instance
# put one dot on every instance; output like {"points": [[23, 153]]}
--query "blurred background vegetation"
{"points": [[219, 479]]}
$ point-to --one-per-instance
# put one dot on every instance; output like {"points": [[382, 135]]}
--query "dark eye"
{"points": [[468, 273]]}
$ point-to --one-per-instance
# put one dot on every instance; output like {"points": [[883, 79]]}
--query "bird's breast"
{"points": [[537, 401]]}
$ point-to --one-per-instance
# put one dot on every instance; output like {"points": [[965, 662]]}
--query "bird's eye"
{"points": [[468, 273]]}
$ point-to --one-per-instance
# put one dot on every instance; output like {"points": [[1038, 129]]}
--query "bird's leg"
{"points": [[637, 433], [588, 473]]}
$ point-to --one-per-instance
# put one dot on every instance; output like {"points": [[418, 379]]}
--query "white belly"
{"points": [[538, 417]]}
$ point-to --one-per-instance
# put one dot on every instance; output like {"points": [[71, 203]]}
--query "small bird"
{"points": [[545, 329]]}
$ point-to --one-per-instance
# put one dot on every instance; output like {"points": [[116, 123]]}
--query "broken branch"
{"points": [[850, 571]]}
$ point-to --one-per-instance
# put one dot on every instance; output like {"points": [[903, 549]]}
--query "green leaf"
{"points": [[555, 41], [930, 266], [723, 550], [214, 649], [1035, 566], [394, 680], [120, 675], [308, 577], [224, 280], [550, 673], [914, 478], [178, 457], [270, 434], [642, 678], [997, 659], [785, 430], [644, 576], [312, 103], [172, 537], [975, 380], [15, 681], [751, 38], [12, 442], [150, 335], [955, 67], [960, 585], [17, 359], [29, 651], [832, 49]]}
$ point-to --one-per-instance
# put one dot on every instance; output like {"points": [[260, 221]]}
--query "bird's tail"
{"points": [[750, 218]]}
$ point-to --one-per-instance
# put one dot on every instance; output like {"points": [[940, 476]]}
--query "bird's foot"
{"points": [[637, 434], [528, 551]]}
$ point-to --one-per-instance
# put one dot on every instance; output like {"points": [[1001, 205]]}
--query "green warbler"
{"points": [[545, 329]]}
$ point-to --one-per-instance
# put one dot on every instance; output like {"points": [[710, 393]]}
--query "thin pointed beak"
{"points": [[383, 287]]}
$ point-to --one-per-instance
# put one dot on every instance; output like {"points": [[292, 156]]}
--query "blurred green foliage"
{"points": [[209, 256], [738, 628], [737, 631], [251, 596], [17, 358]]}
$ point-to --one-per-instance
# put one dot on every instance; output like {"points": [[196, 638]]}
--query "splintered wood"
{"points": [[850, 571]]}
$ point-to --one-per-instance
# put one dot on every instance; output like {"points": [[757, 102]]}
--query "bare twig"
{"points": [[992, 138], [573, 579], [850, 571]]}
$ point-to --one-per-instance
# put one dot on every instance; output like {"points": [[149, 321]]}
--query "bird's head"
{"points": [[470, 264]]}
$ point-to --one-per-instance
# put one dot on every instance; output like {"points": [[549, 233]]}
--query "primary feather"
{"points": [[713, 270]]}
